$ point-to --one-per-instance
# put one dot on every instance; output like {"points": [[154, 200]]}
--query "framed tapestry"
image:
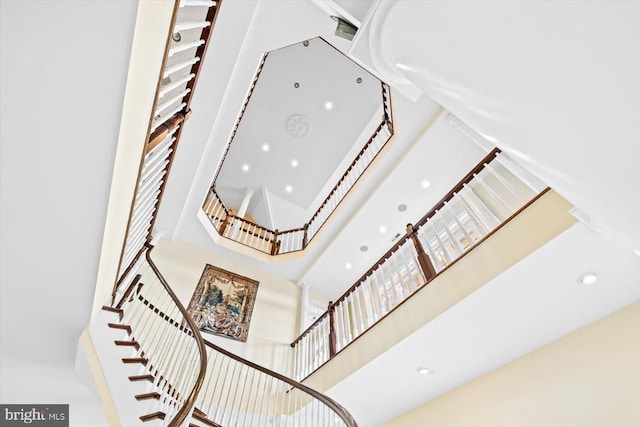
{"points": [[222, 303]]}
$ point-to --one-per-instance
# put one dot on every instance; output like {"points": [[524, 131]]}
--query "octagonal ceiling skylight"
{"points": [[309, 113]]}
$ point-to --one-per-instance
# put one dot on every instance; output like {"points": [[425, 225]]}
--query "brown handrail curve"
{"points": [[191, 399], [332, 404]]}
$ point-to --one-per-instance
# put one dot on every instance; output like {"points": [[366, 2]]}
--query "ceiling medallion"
{"points": [[298, 126]]}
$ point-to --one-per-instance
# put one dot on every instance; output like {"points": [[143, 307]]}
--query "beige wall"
{"points": [[590, 378], [274, 324]]}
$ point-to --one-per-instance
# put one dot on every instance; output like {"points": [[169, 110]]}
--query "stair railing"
{"points": [[238, 392], [166, 343], [492, 193], [187, 43], [192, 379]]}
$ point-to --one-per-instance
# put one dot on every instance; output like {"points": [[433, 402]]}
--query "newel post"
{"points": [[275, 245], [225, 222], [305, 237], [332, 330], [423, 259]]}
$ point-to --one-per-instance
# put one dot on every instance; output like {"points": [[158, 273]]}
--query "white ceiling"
{"points": [[328, 103]]}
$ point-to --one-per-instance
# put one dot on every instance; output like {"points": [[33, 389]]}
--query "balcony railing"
{"points": [[275, 242], [487, 197]]}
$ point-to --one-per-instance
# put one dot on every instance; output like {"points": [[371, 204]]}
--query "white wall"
{"points": [[62, 77]]}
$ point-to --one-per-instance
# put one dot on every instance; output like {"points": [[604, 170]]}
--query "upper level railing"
{"points": [[488, 196], [187, 43], [192, 380], [275, 242]]}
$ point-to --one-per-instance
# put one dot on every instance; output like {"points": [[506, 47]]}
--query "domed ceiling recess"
{"points": [[310, 112]]}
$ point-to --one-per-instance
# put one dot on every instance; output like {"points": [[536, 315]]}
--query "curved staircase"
{"points": [[176, 378]]}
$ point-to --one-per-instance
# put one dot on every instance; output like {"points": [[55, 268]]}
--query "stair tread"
{"points": [[135, 360], [148, 396], [141, 378], [153, 416], [120, 326], [128, 343]]}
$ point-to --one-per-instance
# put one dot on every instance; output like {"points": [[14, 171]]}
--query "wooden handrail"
{"points": [[439, 205], [344, 175], [355, 285], [127, 293], [332, 404], [458, 187], [429, 274], [401, 303], [310, 328], [205, 35], [164, 129], [191, 399], [242, 110], [153, 138], [215, 193]]}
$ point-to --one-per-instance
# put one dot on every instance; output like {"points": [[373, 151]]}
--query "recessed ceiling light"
{"points": [[288, 189], [294, 163], [637, 252], [364, 248], [265, 147], [245, 167], [424, 371], [383, 229], [347, 266], [587, 278], [328, 105], [425, 184], [402, 207]]}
